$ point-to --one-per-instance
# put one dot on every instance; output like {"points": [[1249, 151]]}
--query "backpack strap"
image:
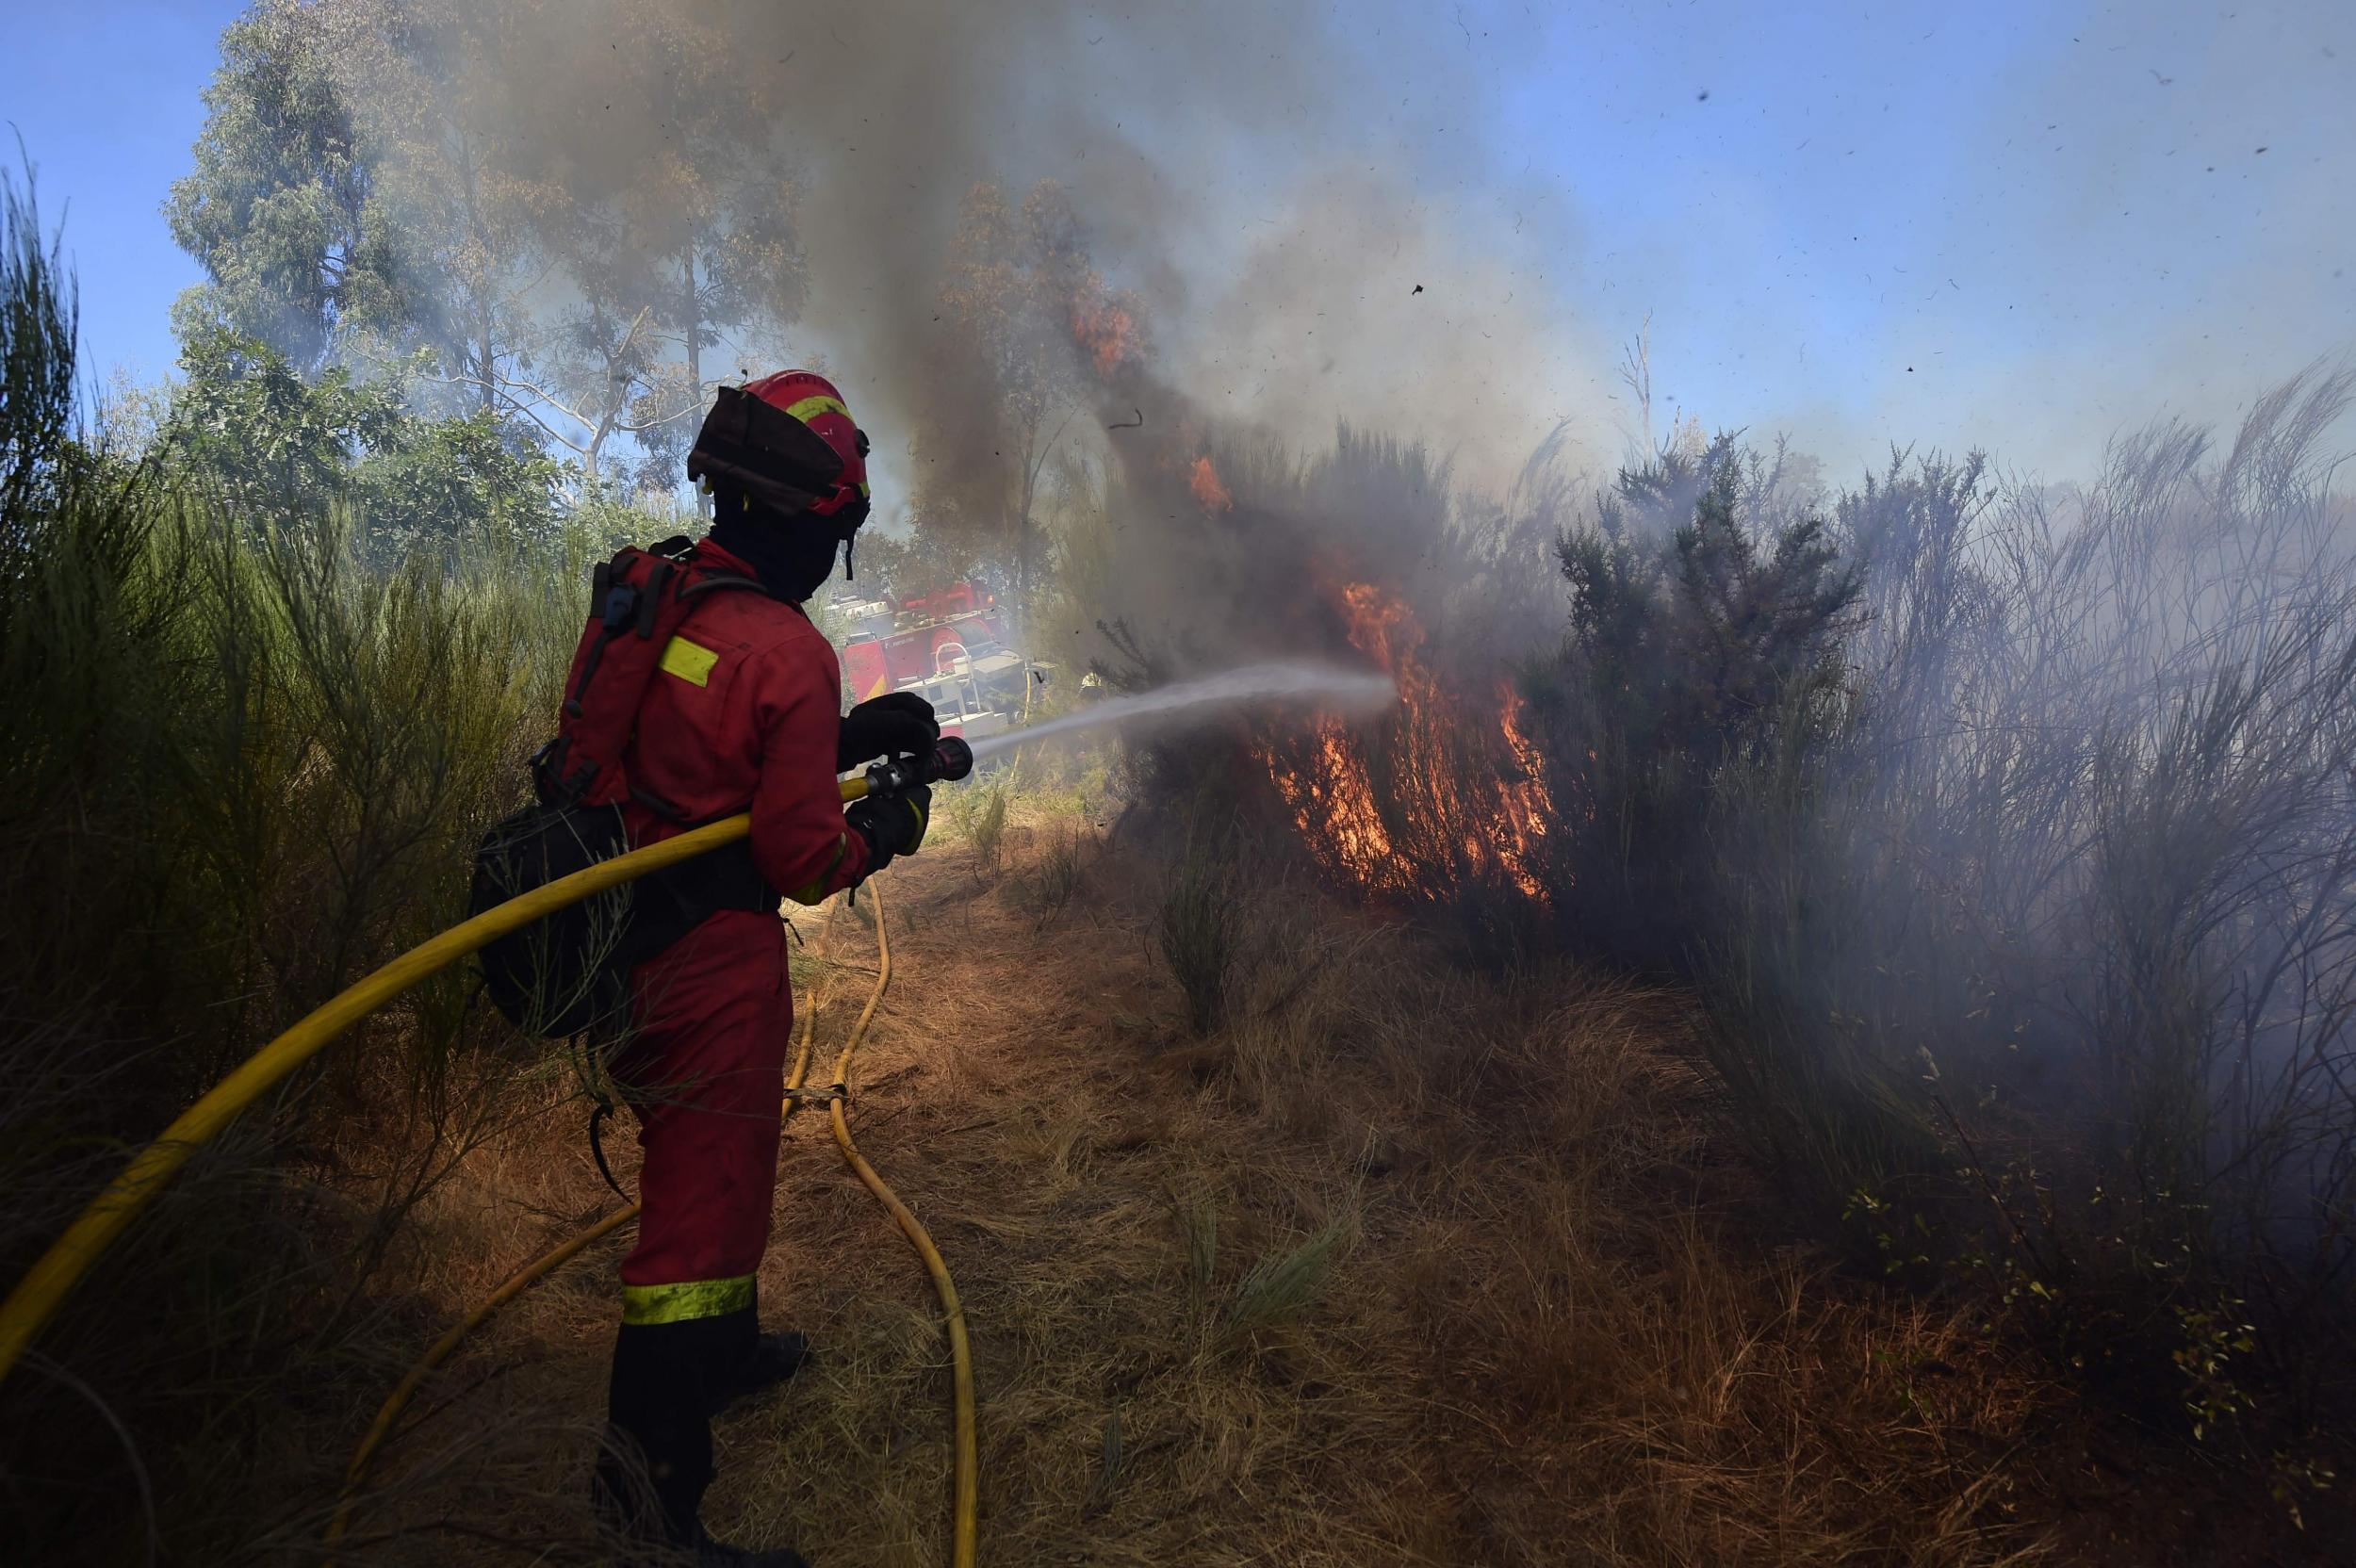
{"points": [[638, 598], [650, 602], [709, 581]]}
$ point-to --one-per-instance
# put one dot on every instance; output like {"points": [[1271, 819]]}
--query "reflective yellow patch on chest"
{"points": [[690, 662]]}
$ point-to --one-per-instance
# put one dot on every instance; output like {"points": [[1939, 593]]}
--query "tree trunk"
{"points": [[1023, 533], [695, 324], [694, 349], [483, 361]]}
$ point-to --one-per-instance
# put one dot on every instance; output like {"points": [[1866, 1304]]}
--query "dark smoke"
{"points": [[1225, 162]]}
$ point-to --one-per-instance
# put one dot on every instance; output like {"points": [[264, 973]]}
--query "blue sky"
{"points": [[106, 96], [2013, 225]]}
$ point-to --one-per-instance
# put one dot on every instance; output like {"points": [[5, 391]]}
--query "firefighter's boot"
{"points": [[656, 1463], [770, 1361]]}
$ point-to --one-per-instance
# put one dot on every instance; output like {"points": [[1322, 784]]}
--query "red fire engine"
{"points": [[950, 646]]}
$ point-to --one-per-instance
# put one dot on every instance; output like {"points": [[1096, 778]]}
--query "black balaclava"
{"points": [[791, 556]]}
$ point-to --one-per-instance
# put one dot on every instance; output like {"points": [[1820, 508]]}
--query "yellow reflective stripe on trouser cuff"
{"points": [[644, 1304]]}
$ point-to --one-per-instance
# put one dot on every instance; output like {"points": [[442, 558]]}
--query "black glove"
{"points": [[893, 827], [895, 725]]}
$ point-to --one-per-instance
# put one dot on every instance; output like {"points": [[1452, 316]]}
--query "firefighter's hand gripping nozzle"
{"points": [[896, 799], [950, 760]]}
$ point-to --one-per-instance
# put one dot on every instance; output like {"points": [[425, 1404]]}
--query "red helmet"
{"points": [[811, 398], [814, 460]]}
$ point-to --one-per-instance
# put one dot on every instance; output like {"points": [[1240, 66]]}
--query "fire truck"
{"points": [[950, 646]]}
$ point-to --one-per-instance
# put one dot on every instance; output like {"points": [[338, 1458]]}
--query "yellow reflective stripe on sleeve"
{"points": [[680, 1303], [814, 890], [690, 662], [809, 407]]}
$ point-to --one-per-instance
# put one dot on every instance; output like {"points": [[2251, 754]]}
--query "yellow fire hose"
{"points": [[44, 1289], [46, 1285], [969, 1465], [515, 1285], [966, 1520]]}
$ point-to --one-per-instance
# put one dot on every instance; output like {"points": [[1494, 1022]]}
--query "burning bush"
{"points": [[1366, 557], [2006, 837]]}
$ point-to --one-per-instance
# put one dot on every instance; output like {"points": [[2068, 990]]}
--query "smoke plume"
{"points": [[1295, 193]]}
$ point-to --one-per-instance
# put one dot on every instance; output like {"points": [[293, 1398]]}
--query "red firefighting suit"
{"points": [[746, 708]]}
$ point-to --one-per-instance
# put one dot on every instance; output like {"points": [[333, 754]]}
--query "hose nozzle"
{"points": [[951, 758]]}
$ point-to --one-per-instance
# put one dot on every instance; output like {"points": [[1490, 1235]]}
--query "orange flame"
{"points": [[1209, 494], [1103, 325], [1467, 797]]}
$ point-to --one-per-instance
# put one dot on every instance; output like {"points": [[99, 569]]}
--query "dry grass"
{"points": [[1397, 1268]]}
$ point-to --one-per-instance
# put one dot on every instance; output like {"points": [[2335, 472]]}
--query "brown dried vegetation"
{"points": [[1397, 1266]]}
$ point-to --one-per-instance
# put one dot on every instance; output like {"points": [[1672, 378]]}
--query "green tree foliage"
{"points": [[282, 209], [247, 427], [440, 483], [677, 223], [561, 203], [246, 420], [914, 566], [434, 135]]}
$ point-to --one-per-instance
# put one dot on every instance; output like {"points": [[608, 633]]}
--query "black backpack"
{"points": [[567, 973]]}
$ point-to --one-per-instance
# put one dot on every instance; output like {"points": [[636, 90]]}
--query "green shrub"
{"points": [[978, 811], [2007, 841], [1702, 648], [248, 763], [1200, 929]]}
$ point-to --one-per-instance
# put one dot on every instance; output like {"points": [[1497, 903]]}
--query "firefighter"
{"points": [[746, 709]]}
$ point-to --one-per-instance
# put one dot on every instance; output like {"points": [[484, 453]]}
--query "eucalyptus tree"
{"points": [[282, 209], [570, 205]]}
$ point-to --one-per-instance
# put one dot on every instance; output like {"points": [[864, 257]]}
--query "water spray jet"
{"points": [[1337, 688]]}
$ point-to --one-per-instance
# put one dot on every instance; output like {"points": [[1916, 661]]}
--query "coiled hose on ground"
{"points": [[44, 1289], [530, 1273], [965, 1528]]}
